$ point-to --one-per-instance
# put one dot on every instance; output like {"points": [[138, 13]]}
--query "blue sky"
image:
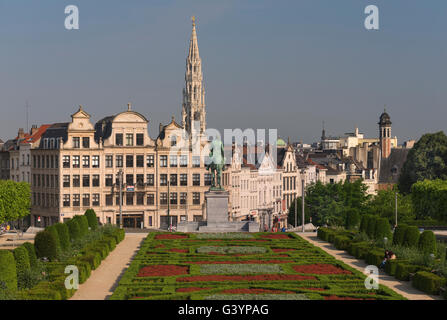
{"points": [[279, 64]]}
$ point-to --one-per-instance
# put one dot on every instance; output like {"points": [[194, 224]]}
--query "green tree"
{"points": [[426, 160], [291, 215], [15, 200], [327, 203], [383, 205]]}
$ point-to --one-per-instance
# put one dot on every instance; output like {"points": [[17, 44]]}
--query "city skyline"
{"points": [[142, 61]]}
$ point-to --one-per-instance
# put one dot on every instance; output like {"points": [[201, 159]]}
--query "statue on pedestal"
{"points": [[216, 164]]}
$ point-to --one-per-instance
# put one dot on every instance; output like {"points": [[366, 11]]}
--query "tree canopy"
{"points": [[426, 160], [15, 200], [328, 203]]}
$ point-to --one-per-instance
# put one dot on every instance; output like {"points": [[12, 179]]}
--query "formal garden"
{"points": [[37, 271], [242, 266], [420, 258]]}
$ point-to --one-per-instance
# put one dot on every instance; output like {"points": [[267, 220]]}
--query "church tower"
{"points": [[193, 111], [385, 134]]}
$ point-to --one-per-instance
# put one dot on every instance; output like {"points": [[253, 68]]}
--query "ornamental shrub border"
{"points": [[157, 250], [421, 276], [50, 243]]}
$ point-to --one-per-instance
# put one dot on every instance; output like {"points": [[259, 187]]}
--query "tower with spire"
{"points": [[193, 110], [385, 134]]}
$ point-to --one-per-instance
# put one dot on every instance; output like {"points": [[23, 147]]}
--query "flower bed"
{"points": [[320, 269], [279, 266], [162, 271]]}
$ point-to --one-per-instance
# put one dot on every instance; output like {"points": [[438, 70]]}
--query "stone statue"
{"points": [[216, 164]]}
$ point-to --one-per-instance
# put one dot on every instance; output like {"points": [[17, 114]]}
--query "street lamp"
{"points": [[395, 205], [120, 176], [303, 188]]}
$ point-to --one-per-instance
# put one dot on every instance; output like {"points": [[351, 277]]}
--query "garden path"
{"points": [[404, 288], [103, 281]]}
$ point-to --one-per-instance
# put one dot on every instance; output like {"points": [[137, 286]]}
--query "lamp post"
{"points": [[395, 205], [120, 176], [303, 188], [169, 206]]}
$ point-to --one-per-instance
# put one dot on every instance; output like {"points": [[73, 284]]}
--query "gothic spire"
{"points": [[193, 44]]}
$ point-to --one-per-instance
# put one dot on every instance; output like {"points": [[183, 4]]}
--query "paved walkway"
{"points": [[402, 287], [103, 281]]}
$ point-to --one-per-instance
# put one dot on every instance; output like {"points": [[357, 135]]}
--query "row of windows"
{"points": [[45, 180], [129, 199], [45, 200], [289, 183], [46, 162], [94, 180], [130, 161], [139, 137]]}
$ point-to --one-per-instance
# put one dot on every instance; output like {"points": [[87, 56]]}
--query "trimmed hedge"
{"points": [[342, 242], [31, 254], [427, 242], [8, 273], [45, 245], [82, 223], [22, 260], [323, 233], [428, 282], [92, 219], [411, 237], [352, 219], [73, 229], [399, 234], [382, 229], [375, 257], [64, 235], [391, 266], [371, 226], [403, 270], [53, 230]]}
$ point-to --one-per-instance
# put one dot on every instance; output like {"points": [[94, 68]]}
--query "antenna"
{"points": [[27, 115]]}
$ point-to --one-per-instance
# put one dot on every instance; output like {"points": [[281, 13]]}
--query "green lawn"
{"points": [[240, 266]]}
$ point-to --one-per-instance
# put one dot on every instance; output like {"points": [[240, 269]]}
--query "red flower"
{"points": [[242, 262], [162, 270], [179, 250], [260, 277], [169, 236], [333, 297], [320, 268], [190, 289], [254, 291], [282, 249], [275, 236]]}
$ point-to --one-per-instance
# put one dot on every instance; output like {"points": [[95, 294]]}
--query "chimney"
{"points": [[21, 133], [33, 129]]}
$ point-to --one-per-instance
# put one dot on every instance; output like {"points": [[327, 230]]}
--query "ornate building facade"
{"points": [[80, 165]]}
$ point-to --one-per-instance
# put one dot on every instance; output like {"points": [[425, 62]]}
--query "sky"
{"points": [[268, 64]]}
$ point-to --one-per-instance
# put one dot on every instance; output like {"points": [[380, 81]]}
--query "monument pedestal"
{"points": [[217, 219]]}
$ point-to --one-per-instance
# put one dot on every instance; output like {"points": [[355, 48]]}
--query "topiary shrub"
{"points": [[382, 229], [73, 229], [375, 257], [342, 242], [8, 273], [92, 219], [399, 234], [352, 219], [411, 238], [391, 265], [53, 230], [64, 235], [45, 245], [83, 224], [403, 270], [31, 254], [371, 226], [22, 260], [364, 223], [93, 258], [428, 282], [427, 242]]}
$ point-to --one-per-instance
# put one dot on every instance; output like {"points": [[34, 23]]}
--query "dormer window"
{"points": [[76, 143], [129, 139], [119, 139], [173, 141], [86, 142], [140, 139]]}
